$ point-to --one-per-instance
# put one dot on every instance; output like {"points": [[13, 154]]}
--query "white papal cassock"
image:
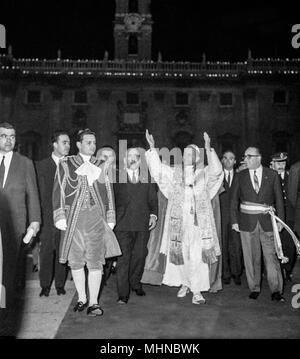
{"points": [[189, 238]]}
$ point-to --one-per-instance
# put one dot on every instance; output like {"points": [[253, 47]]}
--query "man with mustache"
{"points": [[136, 215]]}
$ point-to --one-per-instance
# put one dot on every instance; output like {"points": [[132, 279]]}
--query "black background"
{"points": [[182, 30]]}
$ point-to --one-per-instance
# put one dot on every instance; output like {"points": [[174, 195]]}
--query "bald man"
{"points": [[253, 189]]}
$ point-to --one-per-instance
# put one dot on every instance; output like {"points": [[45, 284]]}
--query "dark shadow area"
{"points": [[14, 265]]}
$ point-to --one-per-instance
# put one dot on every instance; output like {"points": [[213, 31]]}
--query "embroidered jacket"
{"points": [[70, 191]]}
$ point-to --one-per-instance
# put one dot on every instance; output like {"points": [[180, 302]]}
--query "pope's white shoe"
{"points": [[183, 291], [198, 299]]}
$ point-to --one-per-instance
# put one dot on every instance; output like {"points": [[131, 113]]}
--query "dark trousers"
{"points": [[49, 264], [20, 277], [289, 250], [232, 254], [13, 280], [132, 261]]}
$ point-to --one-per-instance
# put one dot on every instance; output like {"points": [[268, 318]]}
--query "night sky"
{"points": [[182, 30]]}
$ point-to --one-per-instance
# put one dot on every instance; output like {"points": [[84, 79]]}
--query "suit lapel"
{"points": [[264, 179], [52, 166], [13, 169], [248, 177]]}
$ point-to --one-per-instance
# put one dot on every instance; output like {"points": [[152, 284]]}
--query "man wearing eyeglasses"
{"points": [[20, 212], [255, 189]]}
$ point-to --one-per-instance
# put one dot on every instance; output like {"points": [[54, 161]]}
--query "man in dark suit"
{"points": [[294, 194], [20, 204], [49, 235], [253, 190], [232, 263], [136, 215], [18, 184]]}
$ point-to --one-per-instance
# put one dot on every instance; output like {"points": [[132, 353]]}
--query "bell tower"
{"points": [[133, 30]]}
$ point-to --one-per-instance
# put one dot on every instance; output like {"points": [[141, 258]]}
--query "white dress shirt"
{"points": [[85, 157], [130, 174], [7, 161], [226, 173], [55, 158], [258, 174]]}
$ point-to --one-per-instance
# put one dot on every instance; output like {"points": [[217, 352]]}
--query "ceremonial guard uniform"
{"points": [[83, 197]]}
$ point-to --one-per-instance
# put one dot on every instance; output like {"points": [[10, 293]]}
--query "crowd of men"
{"points": [[86, 219]]}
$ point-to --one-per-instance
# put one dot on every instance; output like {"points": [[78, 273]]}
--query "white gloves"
{"points": [[61, 224], [111, 225]]}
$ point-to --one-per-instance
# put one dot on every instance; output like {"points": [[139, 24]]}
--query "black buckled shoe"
{"points": [[45, 292], [94, 310], [79, 307]]}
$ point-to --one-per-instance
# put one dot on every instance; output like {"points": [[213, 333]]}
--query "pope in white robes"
{"points": [[189, 240]]}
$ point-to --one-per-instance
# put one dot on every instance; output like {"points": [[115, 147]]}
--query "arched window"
{"points": [[132, 44]]}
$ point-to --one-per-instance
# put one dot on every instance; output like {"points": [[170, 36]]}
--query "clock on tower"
{"points": [[133, 30]]}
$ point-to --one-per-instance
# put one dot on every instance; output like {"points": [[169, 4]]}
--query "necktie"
{"points": [[2, 172], [228, 179], [256, 183], [133, 180]]}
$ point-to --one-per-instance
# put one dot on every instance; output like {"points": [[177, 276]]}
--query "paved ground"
{"points": [[161, 315], [42, 316]]}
